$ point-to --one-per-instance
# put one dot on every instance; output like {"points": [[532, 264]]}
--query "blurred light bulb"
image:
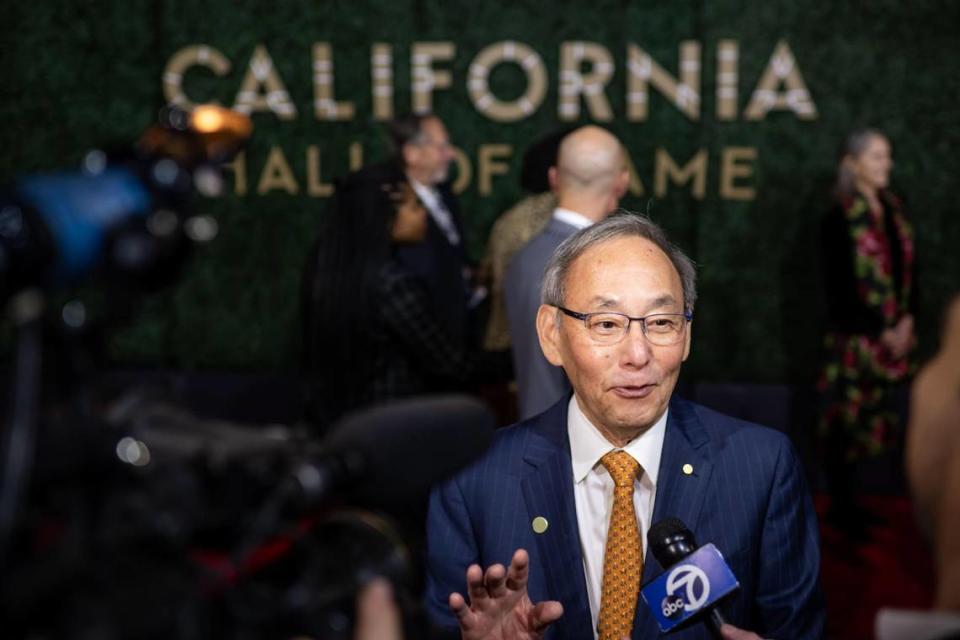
{"points": [[133, 451], [207, 119], [201, 228]]}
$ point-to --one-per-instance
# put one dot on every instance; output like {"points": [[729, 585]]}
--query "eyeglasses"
{"points": [[441, 145], [661, 329]]}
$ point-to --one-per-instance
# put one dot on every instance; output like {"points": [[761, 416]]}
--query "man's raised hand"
{"points": [[500, 608]]}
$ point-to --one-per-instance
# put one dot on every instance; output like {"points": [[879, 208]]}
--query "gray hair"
{"points": [[855, 144], [408, 129], [621, 224]]}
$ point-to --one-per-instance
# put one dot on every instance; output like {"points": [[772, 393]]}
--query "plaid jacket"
{"points": [[413, 352]]}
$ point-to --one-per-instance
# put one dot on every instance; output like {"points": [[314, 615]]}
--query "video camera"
{"points": [[124, 515], [126, 214]]}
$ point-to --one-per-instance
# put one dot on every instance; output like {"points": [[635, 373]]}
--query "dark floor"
{"points": [[890, 566]]}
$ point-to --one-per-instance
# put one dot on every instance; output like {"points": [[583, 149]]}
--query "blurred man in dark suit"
{"points": [[425, 153]]}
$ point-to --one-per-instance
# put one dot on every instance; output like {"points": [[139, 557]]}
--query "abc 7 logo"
{"points": [[671, 606], [694, 584]]}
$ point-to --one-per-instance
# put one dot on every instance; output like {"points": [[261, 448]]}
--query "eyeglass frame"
{"points": [[427, 141], [584, 317]]}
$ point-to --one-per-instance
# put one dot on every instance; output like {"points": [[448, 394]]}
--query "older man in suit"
{"points": [[566, 498], [589, 179]]}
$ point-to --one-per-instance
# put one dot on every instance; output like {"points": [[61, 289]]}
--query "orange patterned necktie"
{"points": [[623, 557]]}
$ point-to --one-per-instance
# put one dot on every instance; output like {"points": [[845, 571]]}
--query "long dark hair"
{"points": [[341, 283]]}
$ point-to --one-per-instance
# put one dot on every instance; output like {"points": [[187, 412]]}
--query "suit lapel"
{"points": [[450, 202], [548, 492], [679, 494]]}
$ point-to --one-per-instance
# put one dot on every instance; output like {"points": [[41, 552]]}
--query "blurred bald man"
{"points": [[589, 179]]}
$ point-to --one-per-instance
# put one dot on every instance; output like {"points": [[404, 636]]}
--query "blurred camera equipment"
{"points": [[123, 514]]}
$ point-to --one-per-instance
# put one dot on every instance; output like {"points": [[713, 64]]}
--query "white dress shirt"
{"points": [[432, 200], [593, 490], [572, 218]]}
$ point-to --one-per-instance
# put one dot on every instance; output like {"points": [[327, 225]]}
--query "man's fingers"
{"points": [[519, 570], [475, 589], [544, 614], [458, 605], [494, 581], [730, 632]]}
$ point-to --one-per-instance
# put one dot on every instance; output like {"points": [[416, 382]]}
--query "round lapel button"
{"points": [[540, 524]]}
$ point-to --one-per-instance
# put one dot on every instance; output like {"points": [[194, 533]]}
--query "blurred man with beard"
{"points": [[424, 152]]}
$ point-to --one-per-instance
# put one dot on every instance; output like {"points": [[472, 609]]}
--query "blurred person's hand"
{"points": [[730, 632], [905, 337], [378, 617], [899, 338]]}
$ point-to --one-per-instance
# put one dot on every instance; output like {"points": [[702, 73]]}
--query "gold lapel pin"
{"points": [[540, 524], [687, 469]]}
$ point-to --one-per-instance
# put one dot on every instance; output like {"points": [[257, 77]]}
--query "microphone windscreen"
{"points": [[404, 447], [670, 541]]}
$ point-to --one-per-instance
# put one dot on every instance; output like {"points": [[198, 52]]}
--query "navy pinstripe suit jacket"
{"points": [[747, 495]]}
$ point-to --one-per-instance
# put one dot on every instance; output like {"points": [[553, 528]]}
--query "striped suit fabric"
{"points": [[746, 494]]}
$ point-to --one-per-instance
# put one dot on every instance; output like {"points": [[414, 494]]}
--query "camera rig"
{"points": [[122, 514]]}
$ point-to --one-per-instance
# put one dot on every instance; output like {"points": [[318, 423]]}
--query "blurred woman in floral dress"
{"points": [[868, 267]]}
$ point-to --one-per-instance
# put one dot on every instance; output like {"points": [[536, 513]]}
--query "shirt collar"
{"points": [[572, 218], [428, 195], [587, 444]]}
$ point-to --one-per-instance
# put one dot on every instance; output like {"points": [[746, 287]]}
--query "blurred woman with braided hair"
{"points": [[371, 331]]}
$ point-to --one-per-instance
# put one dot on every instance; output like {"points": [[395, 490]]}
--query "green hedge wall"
{"points": [[84, 74]]}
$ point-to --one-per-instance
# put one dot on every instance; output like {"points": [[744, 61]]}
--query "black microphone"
{"points": [[671, 541], [393, 453]]}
